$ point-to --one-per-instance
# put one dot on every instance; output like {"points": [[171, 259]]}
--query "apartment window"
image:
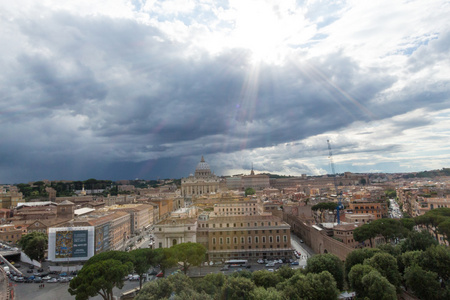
{"points": [[242, 240], [249, 239], [221, 241], [220, 224], [270, 239], [228, 240], [228, 225], [160, 245], [256, 239], [278, 238], [256, 224], [235, 240], [214, 241], [263, 239], [269, 223], [189, 228], [214, 225]]}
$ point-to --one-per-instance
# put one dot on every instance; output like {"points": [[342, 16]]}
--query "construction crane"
{"points": [[338, 194]]}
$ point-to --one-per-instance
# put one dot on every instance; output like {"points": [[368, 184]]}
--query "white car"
{"points": [[52, 280], [270, 264], [260, 261], [46, 278]]}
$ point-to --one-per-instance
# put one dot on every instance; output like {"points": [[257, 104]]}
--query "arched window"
{"points": [[174, 242]]}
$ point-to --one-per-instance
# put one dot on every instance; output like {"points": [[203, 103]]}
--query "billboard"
{"points": [[70, 243]]}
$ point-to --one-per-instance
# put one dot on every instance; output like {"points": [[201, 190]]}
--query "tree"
{"points": [[418, 240], [261, 293], [363, 233], [327, 262], [177, 286], [386, 265], [433, 218], [437, 259], [249, 191], [357, 257], [99, 278], [34, 244], [324, 206], [237, 288], [211, 283], [355, 277], [265, 278], [143, 259], [310, 287], [189, 254], [425, 284], [164, 258], [378, 287]]}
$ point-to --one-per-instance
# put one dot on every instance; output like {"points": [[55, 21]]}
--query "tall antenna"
{"points": [[338, 194]]}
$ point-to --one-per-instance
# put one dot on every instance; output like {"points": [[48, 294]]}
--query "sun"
{"points": [[266, 29]]}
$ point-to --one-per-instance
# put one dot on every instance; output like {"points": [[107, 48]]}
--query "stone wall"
{"points": [[316, 238]]}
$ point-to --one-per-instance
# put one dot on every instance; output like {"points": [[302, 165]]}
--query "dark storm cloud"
{"points": [[115, 98]]}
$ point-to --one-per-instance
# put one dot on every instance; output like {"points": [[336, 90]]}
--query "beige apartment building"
{"points": [[9, 233], [239, 207], [244, 237], [141, 216], [10, 199]]}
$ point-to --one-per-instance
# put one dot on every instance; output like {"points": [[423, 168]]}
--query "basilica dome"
{"points": [[202, 165]]}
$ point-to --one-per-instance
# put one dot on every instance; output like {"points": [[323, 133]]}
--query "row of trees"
{"points": [[106, 270], [285, 283], [436, 220], [417, 263]]}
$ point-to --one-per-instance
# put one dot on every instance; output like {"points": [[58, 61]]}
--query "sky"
{"points": [[122, 89]]}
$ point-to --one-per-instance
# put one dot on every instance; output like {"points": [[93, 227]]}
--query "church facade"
{"points": [[202, 182]]}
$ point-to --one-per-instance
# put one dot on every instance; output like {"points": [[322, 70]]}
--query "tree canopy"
{"points": [[99, 278], [189, 254], [34, 244], [327, 262]]}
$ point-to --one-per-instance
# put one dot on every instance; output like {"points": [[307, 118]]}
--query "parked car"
{"points": [[38, 280], [41, 270], [63, 274], [63, 279], [224, 268], [52, 280], [19, 279], [29, 271], [270, 270], [301, 241], [31, 267], [160, 274], [46, 278], [295, 263], [260, 261]]}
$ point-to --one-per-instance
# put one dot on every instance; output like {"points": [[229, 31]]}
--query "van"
{"points": [[6, 270]]}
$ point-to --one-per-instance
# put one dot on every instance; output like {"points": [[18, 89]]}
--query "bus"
{"points": [[236, 263]]}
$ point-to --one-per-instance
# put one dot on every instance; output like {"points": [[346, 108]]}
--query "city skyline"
{"points": [[142, 89]]}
